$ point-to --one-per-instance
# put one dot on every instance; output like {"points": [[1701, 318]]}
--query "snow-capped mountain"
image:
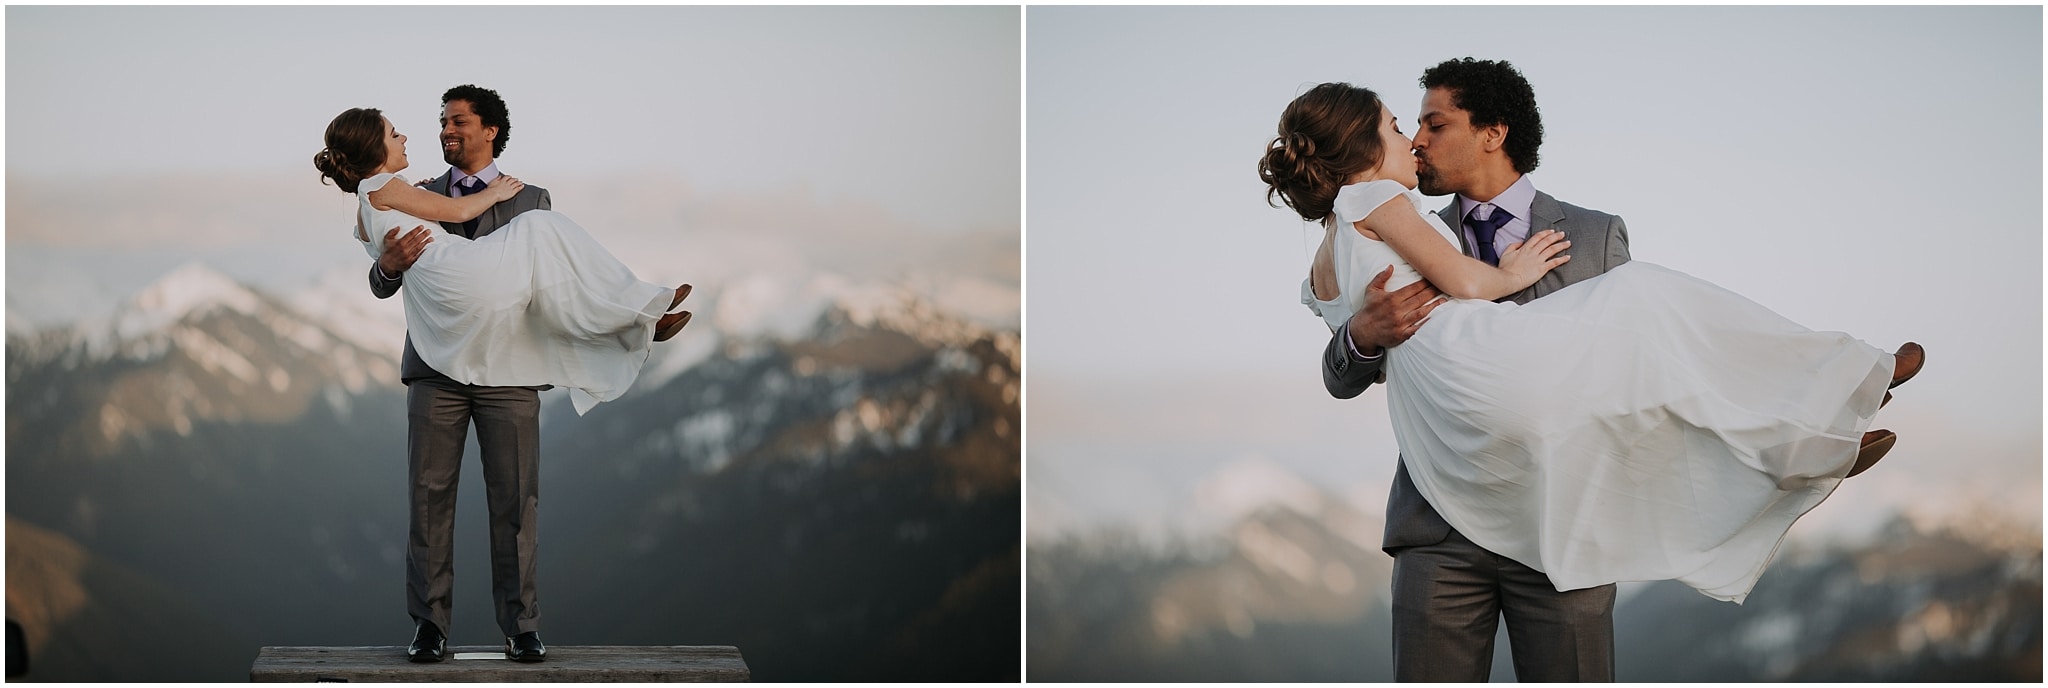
{"points": [[848, 455], [341, 297], [865, 476], [1295, 589], [1926, 601], [193, 347]]}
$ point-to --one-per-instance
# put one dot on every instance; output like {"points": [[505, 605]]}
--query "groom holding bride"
{"points": [[492, 318], [1477, 137], [1645, 425], [474, 129]]}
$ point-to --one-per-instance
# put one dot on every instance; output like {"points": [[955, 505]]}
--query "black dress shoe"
{"points": [[525, 647], [428, 643]]}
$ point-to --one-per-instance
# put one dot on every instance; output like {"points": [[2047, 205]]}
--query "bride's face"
{"points": [[394, 148], [1397, 157]]}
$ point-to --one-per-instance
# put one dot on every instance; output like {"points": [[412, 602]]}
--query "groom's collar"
{"points": [[1516, 200], [486, 175]]}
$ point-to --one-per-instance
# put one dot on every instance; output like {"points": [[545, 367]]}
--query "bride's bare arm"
{"points": [[427, 205], [1397, 223]]}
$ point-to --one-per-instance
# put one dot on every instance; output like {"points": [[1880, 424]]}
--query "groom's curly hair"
{"points": [[1495, 93], [489, 107]]}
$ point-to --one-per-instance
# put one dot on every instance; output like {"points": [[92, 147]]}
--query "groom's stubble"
{"points": [[1428, 183]]}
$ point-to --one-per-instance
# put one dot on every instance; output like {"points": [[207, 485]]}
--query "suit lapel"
{"points": [[494, 216], [440, 186], [1450, 217], [487, 222], [1546, 213]]}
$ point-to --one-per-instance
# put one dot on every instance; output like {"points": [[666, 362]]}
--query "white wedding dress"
{"points": [[537, 302], [1640, 425]]}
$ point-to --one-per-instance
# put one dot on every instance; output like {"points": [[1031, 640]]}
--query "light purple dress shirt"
{"points": [[1516, 200], [455, 177]]}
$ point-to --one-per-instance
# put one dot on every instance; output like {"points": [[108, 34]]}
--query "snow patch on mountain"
{"points": [[697, 343], [1242, 487], [191, 289], [341, 299], [773, 306]]}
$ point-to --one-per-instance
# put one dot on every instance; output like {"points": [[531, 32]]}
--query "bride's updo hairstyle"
{"points": [[355, 148], [1326, 135]]}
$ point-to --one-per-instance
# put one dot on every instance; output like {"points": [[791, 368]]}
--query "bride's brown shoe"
{"points": [[1907, 363], [1875, 444], [667, 327], [682, 292]]}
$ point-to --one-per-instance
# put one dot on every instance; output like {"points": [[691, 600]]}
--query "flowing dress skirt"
{"points": [[1641, 425], [537, 302]]}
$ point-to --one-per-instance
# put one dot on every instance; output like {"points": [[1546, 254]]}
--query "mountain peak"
{"points": [[191, 288]]}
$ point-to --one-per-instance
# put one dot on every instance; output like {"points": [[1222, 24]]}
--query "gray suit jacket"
{"points": [[1599, 242], [529, 198]]}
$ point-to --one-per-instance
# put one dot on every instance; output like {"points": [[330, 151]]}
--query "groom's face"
{"points": [[465, 141], [1447, 147]]}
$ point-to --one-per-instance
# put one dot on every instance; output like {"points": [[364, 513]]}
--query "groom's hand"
{"points": [[400, 252], [1389, 318]]}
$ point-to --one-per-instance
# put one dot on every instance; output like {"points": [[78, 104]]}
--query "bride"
{"points": [[1639, 425], [539, 303]]}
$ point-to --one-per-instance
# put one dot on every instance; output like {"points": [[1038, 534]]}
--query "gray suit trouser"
{"points": [[1449, 598], [439, 412]]}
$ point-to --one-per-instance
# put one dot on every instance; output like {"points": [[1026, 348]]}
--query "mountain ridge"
{"points": [[868, 466], [1288, 592]]}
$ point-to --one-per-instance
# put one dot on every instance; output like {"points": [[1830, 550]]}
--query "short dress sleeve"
{"points": [[1353, 203], [1356, 201], [1359, 258]]}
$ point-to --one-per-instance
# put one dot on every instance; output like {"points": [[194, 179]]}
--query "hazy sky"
{"points": [[1870, 170], [904, 106], [141, 137]]}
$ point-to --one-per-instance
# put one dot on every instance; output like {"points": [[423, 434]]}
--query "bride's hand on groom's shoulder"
{"points": [[1529, 260], [504, 188]]}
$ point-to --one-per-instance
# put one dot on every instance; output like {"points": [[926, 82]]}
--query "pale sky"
{"points": [[688, 139], [913, 107], [1869, 170]]}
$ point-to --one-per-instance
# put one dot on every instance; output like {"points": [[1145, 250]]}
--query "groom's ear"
{"points": [[1493, 137], [490, 133]]}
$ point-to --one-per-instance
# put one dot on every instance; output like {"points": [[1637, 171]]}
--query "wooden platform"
{"points": [[589, 663]]}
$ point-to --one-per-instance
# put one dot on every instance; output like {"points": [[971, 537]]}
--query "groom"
{"points": [[1477, 137], [439, 411]]}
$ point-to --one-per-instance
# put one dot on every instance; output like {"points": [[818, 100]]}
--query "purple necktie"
{"points": [[475, 185], [1483, 231]]}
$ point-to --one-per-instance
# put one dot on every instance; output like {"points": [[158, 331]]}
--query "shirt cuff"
{"points": [[1352, 349], [388, 278]]}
